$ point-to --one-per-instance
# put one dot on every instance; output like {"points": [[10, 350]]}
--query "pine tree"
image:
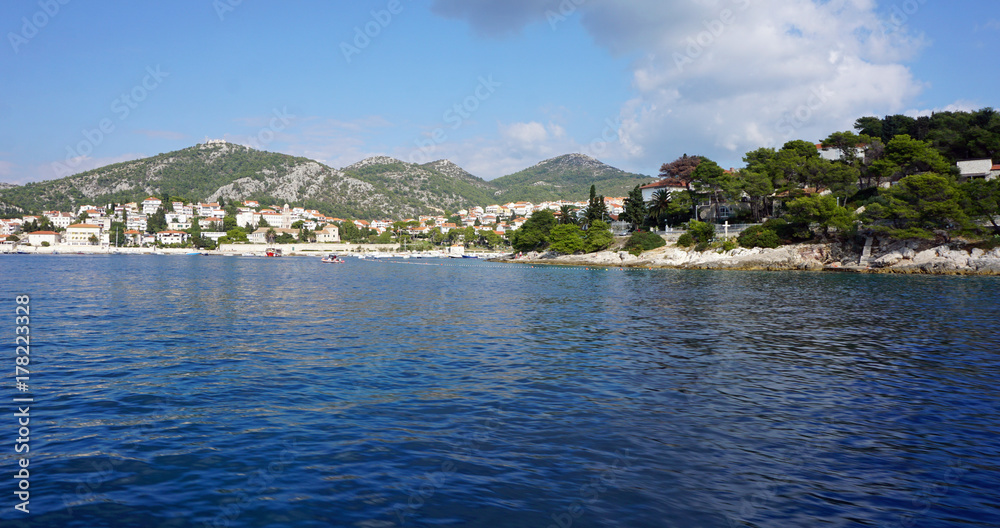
{"points": [[635, 208]]}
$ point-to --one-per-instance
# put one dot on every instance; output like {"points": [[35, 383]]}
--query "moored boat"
{"points": [[332, 259]]}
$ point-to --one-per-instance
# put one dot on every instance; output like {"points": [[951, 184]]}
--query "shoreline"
{"points": [[894, 257]]}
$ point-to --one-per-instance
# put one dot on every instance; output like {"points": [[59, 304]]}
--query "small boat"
{"points": [[272, 252], [332, 259], [470, 256]]}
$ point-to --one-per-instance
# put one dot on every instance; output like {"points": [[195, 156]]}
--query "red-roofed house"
{"points": [[133, 236], [151, 205], [666, 184], [79, 234]]}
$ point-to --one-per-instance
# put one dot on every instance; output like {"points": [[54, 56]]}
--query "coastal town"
{"points": [[134, 224], [851, 189]]}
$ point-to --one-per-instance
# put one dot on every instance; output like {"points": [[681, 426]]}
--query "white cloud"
{"points": [[722, 77], [990, 25], [524, 135]]}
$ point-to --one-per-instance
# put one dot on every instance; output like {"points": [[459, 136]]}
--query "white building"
{"points": [[667, 184], [260, 236], [79, 234], [171, 237], [151, 205], [136, 222], [244, 219], [833, 153], [210, 209], [36, 238], [61, 220], [978, 168], [329, 233]]}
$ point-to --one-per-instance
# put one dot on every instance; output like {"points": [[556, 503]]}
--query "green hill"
{"points": [[377, 187], [567, 177]]}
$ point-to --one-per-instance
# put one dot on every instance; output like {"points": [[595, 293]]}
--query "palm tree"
{"points": [[659, 206], [567, 214]]}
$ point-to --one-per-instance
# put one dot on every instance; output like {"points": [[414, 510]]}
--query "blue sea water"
{"points": [[181, 391]]}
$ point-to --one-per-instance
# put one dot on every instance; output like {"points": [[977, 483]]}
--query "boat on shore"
{"points": [[272, 252]]}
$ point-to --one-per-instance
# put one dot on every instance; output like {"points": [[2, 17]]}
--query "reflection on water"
{"points": [[177, 391]]}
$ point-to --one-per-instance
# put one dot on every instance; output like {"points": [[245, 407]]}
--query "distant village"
{"points": [[91, 225]]}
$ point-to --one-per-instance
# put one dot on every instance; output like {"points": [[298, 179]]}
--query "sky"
{"points": [[495, 86]]}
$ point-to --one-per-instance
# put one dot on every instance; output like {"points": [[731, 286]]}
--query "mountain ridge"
{"points": [[377, 186]]}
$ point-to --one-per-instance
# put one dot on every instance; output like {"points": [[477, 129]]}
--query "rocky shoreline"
{"points": [[908, 257]]}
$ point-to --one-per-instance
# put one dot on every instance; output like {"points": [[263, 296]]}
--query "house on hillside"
{"points": [[666, 184], [978, 168], [833, 153], [151, 205]]}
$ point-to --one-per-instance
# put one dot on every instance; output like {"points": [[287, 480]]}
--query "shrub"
{"points": [[781, 227], [597, 237], [685, 240], [566, 239], [701, 231], [644, 241], [702, 246], [636, 251], [759, 236], [729, 245]]}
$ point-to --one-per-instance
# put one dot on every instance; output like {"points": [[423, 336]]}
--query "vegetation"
{"points": [[566, 177], [598, 237], [566, 239], [759, 236], [644, 241], [534, 234], [701, 232], [634, 209]]}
